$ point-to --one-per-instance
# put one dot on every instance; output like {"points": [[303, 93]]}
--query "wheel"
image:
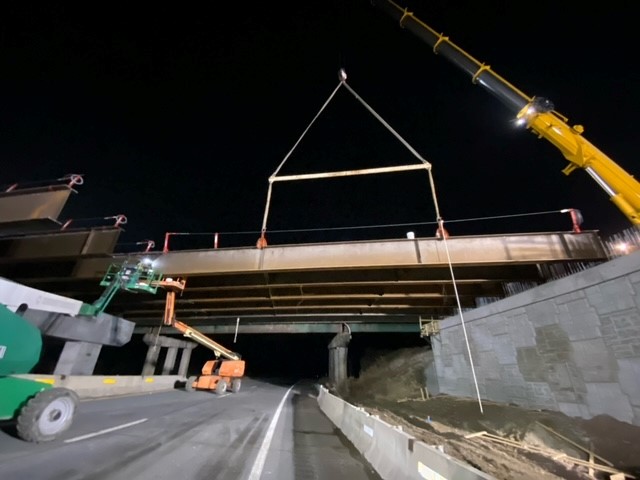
{"points": [[235, 385], [47, 415], [221, 387], [189, 385]]}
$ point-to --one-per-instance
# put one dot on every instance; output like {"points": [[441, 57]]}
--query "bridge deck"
{"points": [[403, 277]]}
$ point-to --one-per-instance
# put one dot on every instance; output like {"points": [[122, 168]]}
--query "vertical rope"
{"points": [[266, 208], [455, 288], [155, 343]]}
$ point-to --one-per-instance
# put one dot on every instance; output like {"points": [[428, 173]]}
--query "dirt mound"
{"points": [[518, 443], [389, 375]]}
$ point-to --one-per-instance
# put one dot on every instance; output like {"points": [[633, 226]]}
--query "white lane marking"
{"points": [[224, 395], [106, 430], [258, 465]]}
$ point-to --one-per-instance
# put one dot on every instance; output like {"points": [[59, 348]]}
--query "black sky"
{"points": [[177, 115]]}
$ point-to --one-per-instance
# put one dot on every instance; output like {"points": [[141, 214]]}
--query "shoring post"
{"points": [[262, 241], [165, 248], [576, 218]]}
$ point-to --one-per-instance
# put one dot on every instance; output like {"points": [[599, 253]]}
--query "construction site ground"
{"points": [[510, 442]]}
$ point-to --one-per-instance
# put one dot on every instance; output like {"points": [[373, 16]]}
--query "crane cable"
{"points": [[266, 210], [427, 165], [440, 229]]}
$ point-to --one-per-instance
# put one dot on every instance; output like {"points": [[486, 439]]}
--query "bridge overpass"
{"points": [[376, 285], [337, 288]]}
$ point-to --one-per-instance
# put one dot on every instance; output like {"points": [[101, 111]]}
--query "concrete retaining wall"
{"points": [[571, 345], [96, 386], [392, 453]]}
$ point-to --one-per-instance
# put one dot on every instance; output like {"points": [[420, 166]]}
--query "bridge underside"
{"points": [[384, 285]]}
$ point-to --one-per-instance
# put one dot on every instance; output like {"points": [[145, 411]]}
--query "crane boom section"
{"points": [[622, 188]]}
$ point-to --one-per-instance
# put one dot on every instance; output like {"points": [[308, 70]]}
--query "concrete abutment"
{"points": [[571, 345]]}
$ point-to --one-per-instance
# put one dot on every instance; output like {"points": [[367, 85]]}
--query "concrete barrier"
{"points": [[98, 386], [393, 453]]}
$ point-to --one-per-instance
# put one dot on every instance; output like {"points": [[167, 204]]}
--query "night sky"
{"points": [[178, 115]]}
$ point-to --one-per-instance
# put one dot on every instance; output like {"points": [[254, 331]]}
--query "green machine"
{"points": [[40, 410], [131, 277]]}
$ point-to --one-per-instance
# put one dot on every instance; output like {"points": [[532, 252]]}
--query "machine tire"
{"points": [[188, 387], [235, 385], [46, 415], [221, 387]]}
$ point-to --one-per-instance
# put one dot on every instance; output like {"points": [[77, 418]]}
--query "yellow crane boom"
{"points": [[536, 113]]}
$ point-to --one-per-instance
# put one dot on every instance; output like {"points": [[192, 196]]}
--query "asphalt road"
{"points": [[265, 431]]}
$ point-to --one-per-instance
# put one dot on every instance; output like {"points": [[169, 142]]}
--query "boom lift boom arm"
{"points": [[536, 113], [205, 341], [217, 375], [173, 287]]}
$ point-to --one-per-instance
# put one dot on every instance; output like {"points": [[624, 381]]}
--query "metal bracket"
{"points": [[429, 327]]}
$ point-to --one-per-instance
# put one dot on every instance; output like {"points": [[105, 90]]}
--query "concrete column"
{"points": [[170, 360], [183, 369], [156, 342], [338, 359], [77, 358], [151, 360]]}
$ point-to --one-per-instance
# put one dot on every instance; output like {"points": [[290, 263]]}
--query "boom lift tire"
{"points": [[48, 414], [221, 387], [235, 385]]}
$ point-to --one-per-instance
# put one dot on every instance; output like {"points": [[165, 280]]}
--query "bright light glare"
{"points": [[622, 247], [528, 112], [147, 261]]}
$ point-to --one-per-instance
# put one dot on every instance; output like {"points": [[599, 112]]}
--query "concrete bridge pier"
{"points": [[151, 360], [338, 358], [170, 360], [183, 369], [77, 358], [156, 343]]}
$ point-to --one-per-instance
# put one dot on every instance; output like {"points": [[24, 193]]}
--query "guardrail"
{"points": [[99, 386]]}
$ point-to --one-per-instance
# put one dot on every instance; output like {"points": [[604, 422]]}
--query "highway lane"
{"points": [[265, 431]]}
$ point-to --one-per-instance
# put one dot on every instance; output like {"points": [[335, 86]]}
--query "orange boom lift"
{"points": [[218, 375]]}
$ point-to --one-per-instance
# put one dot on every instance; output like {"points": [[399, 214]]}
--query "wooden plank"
{"points": [[584, 449]]}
